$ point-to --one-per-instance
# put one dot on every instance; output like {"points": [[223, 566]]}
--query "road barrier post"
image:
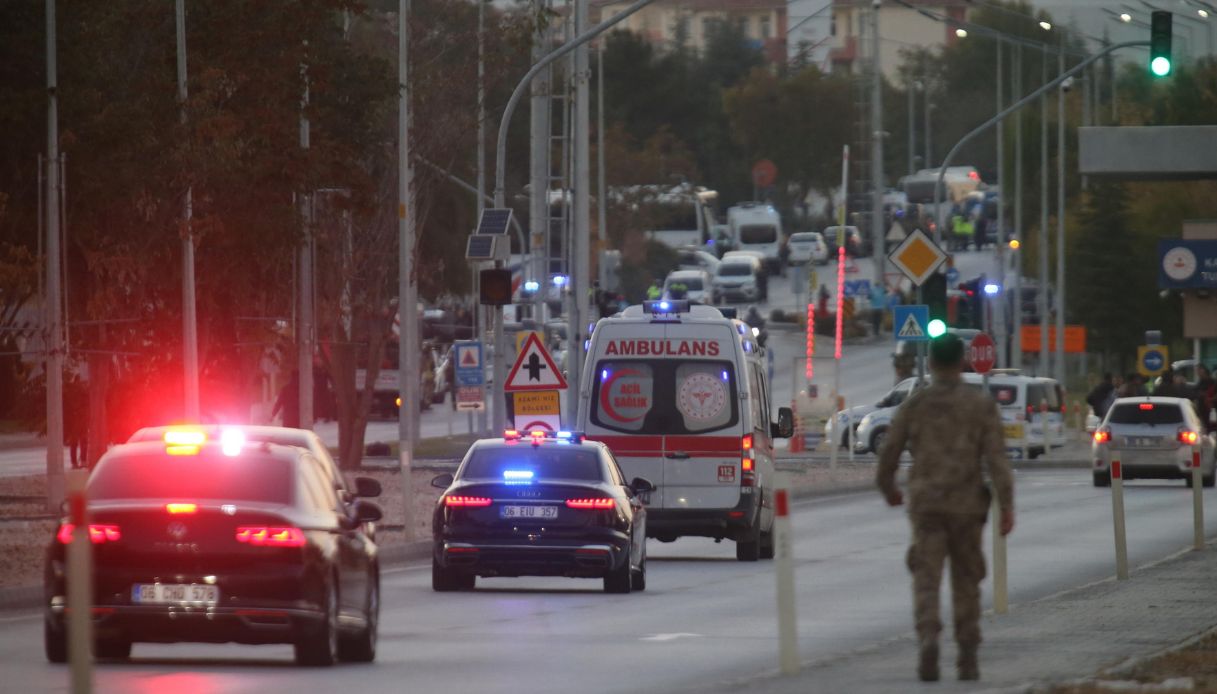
{"points": [[788, 645], [1197, 500], [1117, 512], [1001, 597], [80, 586]]}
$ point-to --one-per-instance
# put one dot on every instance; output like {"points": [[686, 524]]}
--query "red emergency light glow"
{"points": [[261, 536], [466, 501], [594, 504], [811, 340]]}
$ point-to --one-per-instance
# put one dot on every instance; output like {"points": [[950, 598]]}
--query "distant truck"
{"points": [[757, 227]]}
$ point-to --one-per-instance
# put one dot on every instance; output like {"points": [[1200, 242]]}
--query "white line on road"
{"points": [[669, 637]]}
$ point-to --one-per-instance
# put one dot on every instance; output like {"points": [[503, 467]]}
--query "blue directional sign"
{"points": [[468, 356], [854, 288], [1151, 359], [911, 323], [952, 277]]}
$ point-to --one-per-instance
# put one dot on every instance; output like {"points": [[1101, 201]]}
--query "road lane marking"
{"points": [[669, 637]]}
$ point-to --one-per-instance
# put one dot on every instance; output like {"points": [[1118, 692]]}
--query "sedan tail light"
{"points": [[98, 534], [264, 536], [466, 501], [600, 504]]}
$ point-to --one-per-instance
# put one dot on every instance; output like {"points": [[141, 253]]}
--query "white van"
{"points": [[680, 395], [757, 227]]}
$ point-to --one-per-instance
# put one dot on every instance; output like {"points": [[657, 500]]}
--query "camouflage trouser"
{"points": [[937, 536]]}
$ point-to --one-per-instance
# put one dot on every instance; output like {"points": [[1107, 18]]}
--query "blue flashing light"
{"points": [[664, 306], [604, 374], [710, 242], [564, 435], [992, 289], [560, 280], [740, 328], [725, 377], [532, 286], [587, 344], [517, 475]]}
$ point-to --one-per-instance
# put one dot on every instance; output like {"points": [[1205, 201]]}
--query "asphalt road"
{"points": [[705, 621]]}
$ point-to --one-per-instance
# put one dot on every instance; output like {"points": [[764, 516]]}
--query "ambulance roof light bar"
{"points": [[664, 307]]}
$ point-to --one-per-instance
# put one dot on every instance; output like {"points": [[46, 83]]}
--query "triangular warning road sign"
{"points": [[911, 328], [469, 358], [896, 233], [534, 369]]}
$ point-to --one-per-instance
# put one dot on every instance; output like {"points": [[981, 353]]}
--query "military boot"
{"points": [[927, 663], [967, 665]]}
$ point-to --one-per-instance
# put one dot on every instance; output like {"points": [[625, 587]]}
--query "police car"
{"points": [[539, 504], [222, 540], [680, 394]]}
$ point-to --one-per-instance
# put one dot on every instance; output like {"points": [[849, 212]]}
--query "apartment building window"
{"points": [[743, 25], [765, 28]]}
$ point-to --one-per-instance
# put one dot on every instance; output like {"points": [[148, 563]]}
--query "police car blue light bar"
{"points": [[571, 436], [665, 306], [560, 280], [992, 289], [532, 286]]}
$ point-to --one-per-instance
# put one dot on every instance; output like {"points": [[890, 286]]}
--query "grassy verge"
{"points": [[1167, 672]]}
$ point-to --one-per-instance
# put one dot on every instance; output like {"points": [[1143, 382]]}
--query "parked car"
{"points": [[807, 247]]}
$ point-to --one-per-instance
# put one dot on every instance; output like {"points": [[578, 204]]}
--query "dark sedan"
{"points": [[532, 505], [195, 541]]}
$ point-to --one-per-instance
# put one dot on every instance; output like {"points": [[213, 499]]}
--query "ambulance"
{"points": [[680, 395]]}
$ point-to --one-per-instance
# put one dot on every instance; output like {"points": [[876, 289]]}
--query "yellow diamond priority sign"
{"points": [[917, 257]]}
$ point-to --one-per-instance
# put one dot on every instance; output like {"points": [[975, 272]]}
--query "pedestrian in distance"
{"points": [[654, 291], [1098, 396], [288, 402], [954, 433]]}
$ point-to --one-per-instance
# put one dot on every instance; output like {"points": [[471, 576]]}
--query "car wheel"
{"points": [[361, 648], [619, 580], [318, 647], [446, 580], [876, 440], [638, 579], [54, 643], [749, 548], [1102, 479], [768, 549], [112, 649]]}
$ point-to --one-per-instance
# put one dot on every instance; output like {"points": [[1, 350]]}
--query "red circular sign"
{"points": [[982, 353], [764, 173]]}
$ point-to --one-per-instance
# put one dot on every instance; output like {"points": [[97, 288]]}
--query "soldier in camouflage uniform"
{"points": [[951, 429]]}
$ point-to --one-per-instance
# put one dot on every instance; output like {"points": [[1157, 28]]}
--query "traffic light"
{"points": [[495, 287], [934, 294], [1160, 43], [936, 328]]}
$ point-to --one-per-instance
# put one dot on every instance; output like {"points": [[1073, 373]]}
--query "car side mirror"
{"points": [[784, 428], [367, 512], [367, 487], [642, 485], [442, 481]]}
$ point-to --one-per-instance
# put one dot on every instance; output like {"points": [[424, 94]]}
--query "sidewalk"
{"points": [[1071, 635]]}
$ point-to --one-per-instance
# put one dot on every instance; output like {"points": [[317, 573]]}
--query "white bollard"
{"points": [[80, 586], [1001, 598], [1197, 500], [783, 565], [1117, 512]]}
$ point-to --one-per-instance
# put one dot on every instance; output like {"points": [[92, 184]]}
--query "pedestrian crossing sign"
{"points": [[911, 323]]}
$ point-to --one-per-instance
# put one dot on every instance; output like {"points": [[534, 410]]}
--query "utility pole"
{"points": [[601, 184], [999, 247], [481, 203], [581, 228], [190, 326], [876, 108], [539, 163], [1042, 295], [407, 304], [54, 327], [1016, 340], [912, 145], [1059, 362], [304, 324], [929, 149]]}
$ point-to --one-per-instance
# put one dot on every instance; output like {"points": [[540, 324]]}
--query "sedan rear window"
{"points": [[529, 462], [734, 269], [1145, 413], [248, 477]]}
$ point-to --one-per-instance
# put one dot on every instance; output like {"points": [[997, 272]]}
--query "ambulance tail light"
{"points": [[747, 463]]}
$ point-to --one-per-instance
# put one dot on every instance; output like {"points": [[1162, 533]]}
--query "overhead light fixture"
{"points": [[1046, 26], [1125, 17], [961, 33]]}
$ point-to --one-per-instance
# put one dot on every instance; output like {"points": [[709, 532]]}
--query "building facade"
{"points": [[671, 23]]}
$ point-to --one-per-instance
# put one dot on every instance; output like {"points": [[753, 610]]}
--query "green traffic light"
{"points": [[1160, 66], [937, 328]]}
